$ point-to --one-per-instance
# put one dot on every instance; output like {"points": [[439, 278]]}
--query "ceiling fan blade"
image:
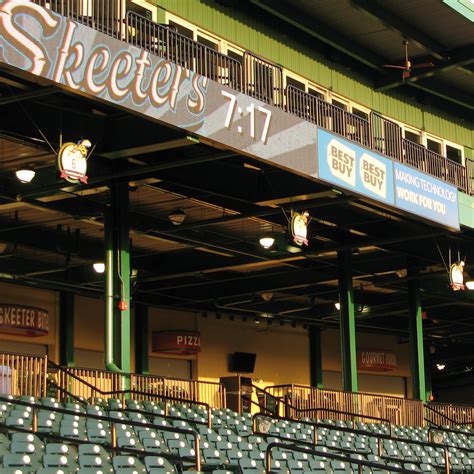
{"points": [[393, 66], [418, 66]]}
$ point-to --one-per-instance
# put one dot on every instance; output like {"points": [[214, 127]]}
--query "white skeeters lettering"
{"points": [[24, 43]]}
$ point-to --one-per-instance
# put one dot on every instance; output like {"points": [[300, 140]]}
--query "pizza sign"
{"points": [[72, 161]]}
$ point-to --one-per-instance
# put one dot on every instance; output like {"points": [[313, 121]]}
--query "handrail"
{"points": [[64, 439], [137, 392], [379, 437], [446, 417], [67, 392], [340, 412], [351, 460], [111, 420], [54, 365], [289, 406]]}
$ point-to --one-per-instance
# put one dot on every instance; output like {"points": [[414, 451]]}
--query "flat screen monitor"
{"points": [[243, 362]]}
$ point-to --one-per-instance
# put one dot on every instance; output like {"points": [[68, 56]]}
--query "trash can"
{"points": [[5, 380]]}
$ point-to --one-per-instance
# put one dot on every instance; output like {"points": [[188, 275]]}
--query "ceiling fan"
{"points": [[407, 67]]}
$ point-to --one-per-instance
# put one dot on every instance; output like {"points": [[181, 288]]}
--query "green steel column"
{"points": [[428, 385], [66, 329], [347, 322], [141, 339], [117, 282], [416, 335], [315, 359]]}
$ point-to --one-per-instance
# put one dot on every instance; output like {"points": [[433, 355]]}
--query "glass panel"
{"points": [[454, 154], [412, 137], [341, 105], [433, 145], [181, 29], [360, 113], [293, 82]]}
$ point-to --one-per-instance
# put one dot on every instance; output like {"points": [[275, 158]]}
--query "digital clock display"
{"points": [[259, 118]]}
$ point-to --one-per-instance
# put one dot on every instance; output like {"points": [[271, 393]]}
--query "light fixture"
{"points": [[440, 366], [3, 247], [266, 296], [25, 174], [267, 241], [470, 284], [337, 305], [99, 267], [177, 216]]}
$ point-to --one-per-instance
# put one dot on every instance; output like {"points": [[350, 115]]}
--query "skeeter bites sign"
{"points": [[43, 43], [23, 320]]}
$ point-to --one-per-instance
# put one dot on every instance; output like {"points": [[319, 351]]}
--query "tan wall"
{"points": [[387, 383], [282, 352]]}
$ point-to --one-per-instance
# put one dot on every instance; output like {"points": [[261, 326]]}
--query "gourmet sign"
{"points": [[378, 361], [23, 320], [45, 44]]}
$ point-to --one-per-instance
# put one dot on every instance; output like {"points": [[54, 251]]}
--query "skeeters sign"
{"points": [[357, 169], [23, 320], [45, 44]]}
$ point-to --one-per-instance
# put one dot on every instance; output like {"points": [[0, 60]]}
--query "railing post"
{"points": [[34, 420], [268, 460], [197, 449], [446, 460], [113, 435]]}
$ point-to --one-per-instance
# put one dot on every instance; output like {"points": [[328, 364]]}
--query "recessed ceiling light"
{"points": [[267, 241], [25, 174], [99, 267]]}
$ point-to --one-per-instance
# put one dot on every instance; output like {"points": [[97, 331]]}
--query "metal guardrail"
{"points": [[89, 384], [448, 414], [23, 374], [105, 16], [262, 79], [175, 47], [399, 411]]}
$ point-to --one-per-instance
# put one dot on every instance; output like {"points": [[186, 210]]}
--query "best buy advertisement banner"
{"points": [[345, 164]]}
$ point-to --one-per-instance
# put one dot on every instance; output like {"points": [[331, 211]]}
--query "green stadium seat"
{"points": [[94, 462], [234, 455], [128, 442], [214, 456], [14, 470], [21, 461], [60, 461], [127, 465], [159, 465], [154, 445], [251, 466], [26, 448]]}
